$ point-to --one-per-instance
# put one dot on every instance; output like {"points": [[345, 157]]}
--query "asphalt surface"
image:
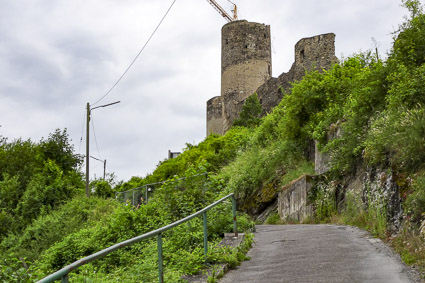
{"points": [[319, 253]]}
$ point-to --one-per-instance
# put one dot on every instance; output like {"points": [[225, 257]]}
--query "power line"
{"points": [[95, 166], [137, 56], [82, 132], [94, 133]]}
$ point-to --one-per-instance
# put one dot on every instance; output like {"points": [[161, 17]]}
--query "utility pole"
{"points": [[104, 169], [87, 150], [88, 145]]}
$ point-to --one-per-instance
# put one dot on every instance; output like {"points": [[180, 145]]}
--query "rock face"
{"points": [[380, 191], [293, 200], [376, 190], [246, 68]]}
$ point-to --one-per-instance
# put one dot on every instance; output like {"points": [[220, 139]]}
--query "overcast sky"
{"points": [[55, 56]]}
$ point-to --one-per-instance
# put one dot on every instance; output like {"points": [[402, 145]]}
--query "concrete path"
{"points": [[319, 253]]}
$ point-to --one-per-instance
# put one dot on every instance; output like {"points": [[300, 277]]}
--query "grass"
{"points": [[411, 247]]}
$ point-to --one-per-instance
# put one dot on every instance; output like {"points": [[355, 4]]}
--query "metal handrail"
{"points": [[153, 184], [63, 273]]}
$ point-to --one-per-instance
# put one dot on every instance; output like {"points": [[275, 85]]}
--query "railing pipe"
{"points": [[162, 182], [160, 268], [62, 273], [235, 224], [204, 216]]}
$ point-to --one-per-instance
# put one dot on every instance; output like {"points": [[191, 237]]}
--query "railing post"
{"points": [[64, 278], [235, 225], [160, 269], [133, 199], [204, 216]]}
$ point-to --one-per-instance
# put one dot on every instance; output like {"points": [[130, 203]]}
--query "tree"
{"points": [[37, 176], [250, 115], [409, 40], [58, 148]]}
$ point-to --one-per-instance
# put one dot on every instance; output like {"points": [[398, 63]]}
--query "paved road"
{"points": [[319, 253]]}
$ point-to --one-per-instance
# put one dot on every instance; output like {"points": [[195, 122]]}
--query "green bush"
{"points": [[415, 202], [53, 227], [273, 219], [250, 114]]}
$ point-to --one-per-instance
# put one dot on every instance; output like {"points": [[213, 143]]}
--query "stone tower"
{"points": [[245, 65], [246, 68]]}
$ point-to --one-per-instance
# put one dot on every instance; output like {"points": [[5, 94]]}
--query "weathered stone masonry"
{"points": [[246, 68]]}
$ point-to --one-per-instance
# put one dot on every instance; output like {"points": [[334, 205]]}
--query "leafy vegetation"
{"points": [[250, 114], [62, 225], [36, 178]]}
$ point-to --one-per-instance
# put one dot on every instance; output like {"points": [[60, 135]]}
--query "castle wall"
{"points": [[269, 95], [317, 52], [215, 115]]}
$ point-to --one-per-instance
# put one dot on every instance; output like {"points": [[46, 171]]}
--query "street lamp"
{"points": [[88, 143]]}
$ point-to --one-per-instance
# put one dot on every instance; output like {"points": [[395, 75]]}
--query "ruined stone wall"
{"points": [[317, 52], [215, 115], [314, 52]]}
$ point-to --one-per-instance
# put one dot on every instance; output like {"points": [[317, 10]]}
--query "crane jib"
{"points": [[223, 12]]}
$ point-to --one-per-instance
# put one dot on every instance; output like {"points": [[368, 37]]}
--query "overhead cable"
{"points": [[137, 56], [95, 139], [82, 132]]}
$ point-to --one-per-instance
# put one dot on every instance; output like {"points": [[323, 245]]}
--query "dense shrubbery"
{"points": [[182, 247], [63, 225], [213, 153], [36, 178]]}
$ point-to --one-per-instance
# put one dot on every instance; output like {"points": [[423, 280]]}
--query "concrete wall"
{"points": [[293, 200]]}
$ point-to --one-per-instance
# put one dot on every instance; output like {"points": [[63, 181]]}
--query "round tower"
{"points": [[245, 64]]}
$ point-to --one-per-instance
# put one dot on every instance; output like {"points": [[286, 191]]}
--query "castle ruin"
{"points": [[246, 68]]}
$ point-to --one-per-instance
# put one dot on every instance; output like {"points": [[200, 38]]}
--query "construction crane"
{"points": [[223, 12]]}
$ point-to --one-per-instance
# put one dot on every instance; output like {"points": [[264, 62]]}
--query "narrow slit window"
{"points": [[302, 55]]}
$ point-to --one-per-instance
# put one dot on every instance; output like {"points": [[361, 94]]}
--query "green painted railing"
{"points": [[147, 189], [63, 273]]}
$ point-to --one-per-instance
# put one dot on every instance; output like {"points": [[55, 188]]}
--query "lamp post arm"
{"points": [[106, 105]]}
